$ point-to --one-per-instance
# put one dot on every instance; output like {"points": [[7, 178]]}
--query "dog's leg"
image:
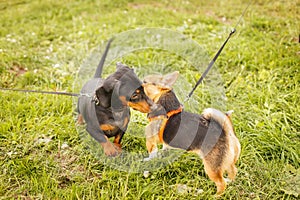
{"points": [[153, 153], [151, 145], [109, 148], [216, 175], [220, 182], [165, 147], [117, 140], [235, 150], [151, 132], [232, 171]]}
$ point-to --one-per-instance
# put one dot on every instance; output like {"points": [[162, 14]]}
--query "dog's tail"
{"points": [[221, 118], [101, 63]]}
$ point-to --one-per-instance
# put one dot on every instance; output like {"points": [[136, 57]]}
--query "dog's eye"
{"points": [[134, 96]]}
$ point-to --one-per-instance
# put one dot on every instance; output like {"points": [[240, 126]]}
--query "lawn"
{"points": [[55, 45]]}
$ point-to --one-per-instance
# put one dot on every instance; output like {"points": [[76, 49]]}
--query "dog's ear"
{"points": [[104, 97], [156, 79], [109, 84], [170, 79], [154, 91], [120, 65], [104, 93], [117, 99], [115, 90], [166, 81]]}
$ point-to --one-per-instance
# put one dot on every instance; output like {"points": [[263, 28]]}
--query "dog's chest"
{"points": [[116, 119]]}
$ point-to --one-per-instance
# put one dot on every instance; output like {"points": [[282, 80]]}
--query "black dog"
{"points": [[104, 104]]}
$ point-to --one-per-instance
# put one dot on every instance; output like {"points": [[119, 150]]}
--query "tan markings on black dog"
{"points": [[140, 101], [107, 127], [141, 106], [126, 121], [80, 119], [117, 141], [109, 148], [105, 105], [123, 100], [210, 135]]}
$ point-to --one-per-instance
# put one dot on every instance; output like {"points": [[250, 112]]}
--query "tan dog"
{"points": [[210, 135]]}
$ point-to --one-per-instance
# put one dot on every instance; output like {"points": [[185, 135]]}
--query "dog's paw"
{"points": [[152, 155], [110, 149]]}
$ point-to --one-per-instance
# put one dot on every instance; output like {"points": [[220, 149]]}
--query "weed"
{"points": [[42, 45]]}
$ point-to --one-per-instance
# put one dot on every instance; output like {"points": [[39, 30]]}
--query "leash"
{"points": [[217, 54], [42, 92], [96, 75]]}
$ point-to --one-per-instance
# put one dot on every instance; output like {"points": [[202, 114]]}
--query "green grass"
{"points": [[43, 44]]}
